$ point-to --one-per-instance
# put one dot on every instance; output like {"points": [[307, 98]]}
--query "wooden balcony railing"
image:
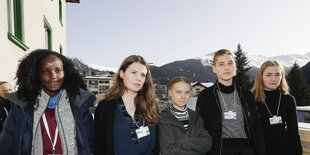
{"points": [[304, 132]]}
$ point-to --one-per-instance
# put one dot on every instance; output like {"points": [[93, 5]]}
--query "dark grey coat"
{"points": [[175, 140]]}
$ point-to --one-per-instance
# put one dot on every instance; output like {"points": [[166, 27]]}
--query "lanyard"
{"points": [[137, 123], [224, 100], [48, 132], [277, 109], [6, 111]]}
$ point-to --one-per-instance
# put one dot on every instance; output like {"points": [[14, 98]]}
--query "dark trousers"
{"points": [[279, 148], [237, 146]]}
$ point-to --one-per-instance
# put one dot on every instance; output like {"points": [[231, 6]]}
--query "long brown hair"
{"points": [[145, 101], [258, 88]]}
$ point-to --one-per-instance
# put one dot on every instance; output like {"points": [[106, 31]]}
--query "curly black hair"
{"points": [[28, 78]]}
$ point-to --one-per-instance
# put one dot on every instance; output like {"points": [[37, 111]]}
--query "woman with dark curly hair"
{"points": [[51, 108], [125, 120]]}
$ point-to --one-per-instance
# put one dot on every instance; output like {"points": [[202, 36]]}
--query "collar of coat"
{"points": [[169, 118], [78, 100]]}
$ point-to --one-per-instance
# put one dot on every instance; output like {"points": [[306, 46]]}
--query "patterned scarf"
{"points": [[181, 115]]}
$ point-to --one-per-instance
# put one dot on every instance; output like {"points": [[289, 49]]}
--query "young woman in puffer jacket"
{"points": [[181, 130]]}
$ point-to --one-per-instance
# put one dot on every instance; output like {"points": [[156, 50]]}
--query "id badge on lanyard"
{"points": [[49, 136], [275, 120], [230, 115], [142, 131]]}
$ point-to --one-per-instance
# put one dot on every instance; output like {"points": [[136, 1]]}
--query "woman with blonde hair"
{"points": [[125, 120], [277, 109]]}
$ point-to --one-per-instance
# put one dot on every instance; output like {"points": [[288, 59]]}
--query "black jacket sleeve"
{"points": [[103, 128], [292, 128]]}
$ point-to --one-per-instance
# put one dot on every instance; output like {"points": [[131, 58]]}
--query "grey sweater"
{"points": [[65, 123], [175, 140]]}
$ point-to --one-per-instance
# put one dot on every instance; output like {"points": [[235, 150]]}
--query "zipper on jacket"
{"points": [[217, 103], [191, 127]]}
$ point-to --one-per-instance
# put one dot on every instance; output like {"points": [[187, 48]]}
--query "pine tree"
{"points": [[299, 87], [242, 62]]}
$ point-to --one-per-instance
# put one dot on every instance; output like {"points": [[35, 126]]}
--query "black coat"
{"points": [[5, 107], [103, 129], [210, 110], [280, 138]]}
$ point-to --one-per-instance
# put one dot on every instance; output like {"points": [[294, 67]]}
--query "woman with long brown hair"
{"points": [[125, 120], [277, 109]]}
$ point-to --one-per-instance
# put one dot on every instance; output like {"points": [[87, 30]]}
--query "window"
{"points": [[16, 23], [93, 87], [60, 12], [197, 91], [104, 81], [47, 35]]}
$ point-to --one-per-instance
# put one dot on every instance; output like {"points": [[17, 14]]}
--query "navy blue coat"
{"points": [[16, 136], [103, 129]]}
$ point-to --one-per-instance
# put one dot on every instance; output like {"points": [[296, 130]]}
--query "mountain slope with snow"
{"points": [[102, 68], [256, 60]]}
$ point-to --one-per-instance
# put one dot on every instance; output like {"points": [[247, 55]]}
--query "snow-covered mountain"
{"points": [[102, 68], [289, 60], [199, 69], [256, 60], [87, 68]]}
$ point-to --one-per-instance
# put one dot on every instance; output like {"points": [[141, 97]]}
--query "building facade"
{"points": [[26, 25], [98, 85], [197, 87]]}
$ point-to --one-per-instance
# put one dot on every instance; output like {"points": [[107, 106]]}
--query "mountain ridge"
{"points": [[199, 69]]}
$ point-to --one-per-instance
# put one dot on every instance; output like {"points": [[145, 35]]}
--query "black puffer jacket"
{"points": [[210, 110]]}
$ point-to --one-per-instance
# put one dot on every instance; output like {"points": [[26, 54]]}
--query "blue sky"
{"points": [[104, 32]]}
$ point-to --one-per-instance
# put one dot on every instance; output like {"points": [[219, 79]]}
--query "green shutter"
{"points": [[48, 28], [18, 36], [60, 12]]}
